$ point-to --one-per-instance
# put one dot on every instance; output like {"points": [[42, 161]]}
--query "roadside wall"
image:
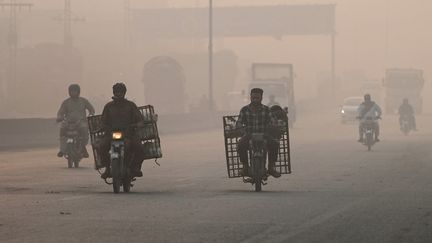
{"points": [[37, 133]]}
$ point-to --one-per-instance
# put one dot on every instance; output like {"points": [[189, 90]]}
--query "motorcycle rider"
{"points": [[257, 118], [74, 109], [368, 109], [122, 113], [407, 111]]}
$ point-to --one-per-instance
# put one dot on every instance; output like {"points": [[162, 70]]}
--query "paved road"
{"points": [[338, 192]]}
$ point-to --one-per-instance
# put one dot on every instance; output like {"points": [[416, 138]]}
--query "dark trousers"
{"points": [[272, 150], [133, 152]]}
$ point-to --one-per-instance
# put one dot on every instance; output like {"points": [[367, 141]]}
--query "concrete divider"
{"points": [[40, 132]]}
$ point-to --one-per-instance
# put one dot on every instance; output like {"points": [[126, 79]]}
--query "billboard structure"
{"points": [[248, 21], [278, 20]]}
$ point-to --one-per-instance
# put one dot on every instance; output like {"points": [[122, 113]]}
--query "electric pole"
{"points": [[127, 16], [68, 41], [68, 19], [12, 41], [210, 50]]}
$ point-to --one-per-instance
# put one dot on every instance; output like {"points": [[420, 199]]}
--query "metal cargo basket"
{"points": [[232, 136], [96, 136], [148, 134]]}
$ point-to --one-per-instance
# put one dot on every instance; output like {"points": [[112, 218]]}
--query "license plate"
{"points": [[114, 155], [69, 140]]}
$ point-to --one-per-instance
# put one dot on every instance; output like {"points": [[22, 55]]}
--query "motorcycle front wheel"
{"points": [[257, 178], [258, 185], [115, 171], [369, 141], [70, 162]]}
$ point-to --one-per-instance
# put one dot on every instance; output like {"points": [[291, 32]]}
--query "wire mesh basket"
{"points": [[232, 136], [147, 134]]}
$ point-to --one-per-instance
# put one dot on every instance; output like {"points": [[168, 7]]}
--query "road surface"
{"points": [[338, 192]]}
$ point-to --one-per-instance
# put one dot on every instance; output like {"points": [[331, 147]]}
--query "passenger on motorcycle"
{"points": [[281, 121], [406, 111], [124, 114], [257, 118], [74, 109], [368, 109]]}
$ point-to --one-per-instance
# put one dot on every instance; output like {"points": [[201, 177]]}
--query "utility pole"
{"points": [[68, 41], [68, 38], [210, 47], [14, 8], [127, 16], [68, 19]]}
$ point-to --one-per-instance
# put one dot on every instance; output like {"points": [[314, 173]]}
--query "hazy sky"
{"points": [[361, 25], [371, 35]]}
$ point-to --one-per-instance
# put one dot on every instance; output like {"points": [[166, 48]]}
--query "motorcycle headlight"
{"points": [[342, 111], [117, 135]]}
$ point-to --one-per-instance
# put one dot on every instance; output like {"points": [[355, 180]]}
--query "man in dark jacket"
{"points": [[124, 115], [74, 109]]}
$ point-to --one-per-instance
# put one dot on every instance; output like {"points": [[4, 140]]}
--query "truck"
{"points": [[277, 80], [400, 83]]}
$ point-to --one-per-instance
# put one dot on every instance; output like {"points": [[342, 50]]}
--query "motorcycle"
{"points": [[257, 149], [120, 168], [258, 155], [121, 165], [73, 144], [369, 132], [405, 125]]}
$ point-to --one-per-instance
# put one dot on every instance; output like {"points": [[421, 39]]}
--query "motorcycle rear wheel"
{"points": [[126, 185]]}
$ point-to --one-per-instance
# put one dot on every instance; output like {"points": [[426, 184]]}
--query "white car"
{"points": [[349, 108]]}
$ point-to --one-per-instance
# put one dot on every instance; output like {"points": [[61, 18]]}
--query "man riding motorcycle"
{"points": [[74, 109], [406, 111], [368, 109], [122, 114], [257, 118]]}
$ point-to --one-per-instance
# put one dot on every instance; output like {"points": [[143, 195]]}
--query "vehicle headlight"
{"points": [[342, 111], [117, 135]]}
